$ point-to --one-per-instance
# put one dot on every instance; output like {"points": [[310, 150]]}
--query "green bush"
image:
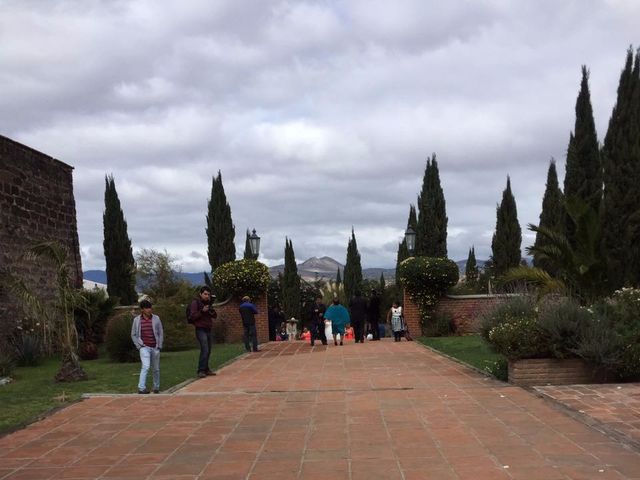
{"points": [[118, 339], [7, 361], [440, 325], [498, 368], [426, 279], [178, 334], [91, 321], [519, 338], [563, 322], [513, 308], [28, 350], [241, 277]]}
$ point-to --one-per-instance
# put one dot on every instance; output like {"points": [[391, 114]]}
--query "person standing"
{"points": [[374, 314], [292, 329], [317, 322], [358, 308], [147, 336], [395, 317], [339, 317], [201, 315], [248, 312]]}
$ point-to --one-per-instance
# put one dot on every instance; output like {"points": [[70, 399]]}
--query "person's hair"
{"points": [[205, 288], [396, 302], [318, 297], [336, 301], [145, 304], [246, 298]]}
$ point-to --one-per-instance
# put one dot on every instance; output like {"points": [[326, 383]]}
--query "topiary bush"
{"points": [[425, 279], [178, 334], [241, 277], [118, 341]]}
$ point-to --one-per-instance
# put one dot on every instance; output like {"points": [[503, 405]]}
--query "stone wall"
{"points": [[36, 205]]}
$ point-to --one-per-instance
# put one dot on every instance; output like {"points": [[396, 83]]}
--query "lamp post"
{"points": [[410, 238], [254, 244]]}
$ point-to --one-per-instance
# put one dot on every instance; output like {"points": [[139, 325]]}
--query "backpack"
{"points": [[188, 314]]}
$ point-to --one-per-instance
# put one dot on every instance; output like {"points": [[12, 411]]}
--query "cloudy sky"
{"points": [[320, 114]]}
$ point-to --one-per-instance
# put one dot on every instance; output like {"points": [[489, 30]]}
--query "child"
{"points": [[348, 334], [397, 323], [283, 332], [292, 329], [306, 334]]}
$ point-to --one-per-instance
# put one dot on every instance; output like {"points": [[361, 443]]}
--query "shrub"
{"points": [[28, 350], [91, 321], [219, 332], [242, 277], [440, 325], [519, 338], [118, 339], [426, 279], [563, 322], [514, 308], [7, 362], [498, 368], [178, 334], [600, 345]]}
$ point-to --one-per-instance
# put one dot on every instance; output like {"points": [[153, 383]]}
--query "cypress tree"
{"points": [[290, 283], [338, 279], [247, 249], [403, 249], [431, 240], [621, 160], [220, 230], [383, 284], [120, 264], [552, 215], [583, 178], [507, 238], [352, 268], [207, 280], [471, 268]]}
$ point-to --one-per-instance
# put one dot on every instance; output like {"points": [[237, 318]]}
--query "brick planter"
{"points": [[549, 371]]}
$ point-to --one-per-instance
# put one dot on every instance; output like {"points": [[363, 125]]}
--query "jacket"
{"points": [[157, 332], [199, 318], [358, 308], [248, 311]]}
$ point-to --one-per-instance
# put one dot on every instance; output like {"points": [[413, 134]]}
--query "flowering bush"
{"points": [[241, 277], [426, 279], [520, 338], [512, 309]]}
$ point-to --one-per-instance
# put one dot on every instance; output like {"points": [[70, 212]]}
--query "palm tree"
{"points": [[578, 270], [67, 299]]}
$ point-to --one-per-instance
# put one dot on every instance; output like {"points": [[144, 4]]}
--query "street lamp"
{"points": [[254, 243], [410, 238]]}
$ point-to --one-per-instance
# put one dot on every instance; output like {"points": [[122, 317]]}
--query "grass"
{"points": [[33, 391], [470, 349]]}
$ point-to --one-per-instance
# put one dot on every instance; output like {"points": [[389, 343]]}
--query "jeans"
{"points": [[204, 338], [250, 336], [150, 357], [358, 331]]}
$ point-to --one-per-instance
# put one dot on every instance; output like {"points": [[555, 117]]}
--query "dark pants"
{"points": [[358, 331], [397, 336], [250, 337], [206, 342], [375, 330], [317, 333]]}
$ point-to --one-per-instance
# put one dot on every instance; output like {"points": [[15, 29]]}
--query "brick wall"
{"points": [[549, 371], [36, 205], [229, 315], [465, 311]]}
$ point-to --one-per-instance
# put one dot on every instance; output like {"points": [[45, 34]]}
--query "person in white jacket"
{"points": [[292, 329], [147, 336]]}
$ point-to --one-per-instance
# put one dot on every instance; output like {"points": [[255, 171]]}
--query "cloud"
{"points": [[320, 114]]}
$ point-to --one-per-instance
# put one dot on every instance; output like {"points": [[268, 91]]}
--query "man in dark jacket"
{"points": [[248, 311], [201, 315], [358, 308], [317, 322], [374, 314]]}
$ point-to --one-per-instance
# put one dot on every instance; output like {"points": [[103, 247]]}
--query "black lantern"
{"points": [[254, 243], [410, 238]]}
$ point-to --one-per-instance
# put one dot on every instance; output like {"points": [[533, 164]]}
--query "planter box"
{"points": [[549, 371]]}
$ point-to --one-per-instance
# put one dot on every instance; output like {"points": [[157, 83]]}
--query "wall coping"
{"points": [[484, 295]]}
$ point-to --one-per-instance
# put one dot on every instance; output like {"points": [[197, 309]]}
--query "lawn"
{"points": [[34, 392], [470, 349]]}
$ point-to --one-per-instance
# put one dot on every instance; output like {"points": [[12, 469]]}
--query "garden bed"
{"points": [[549, 371]]}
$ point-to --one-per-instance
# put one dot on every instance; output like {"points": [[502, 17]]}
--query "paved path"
{"points": [[611, 408], [381, 410]]}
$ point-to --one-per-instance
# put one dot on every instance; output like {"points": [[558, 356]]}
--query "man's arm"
{"points": [[159, 335], [196, 313], [134, 333]]}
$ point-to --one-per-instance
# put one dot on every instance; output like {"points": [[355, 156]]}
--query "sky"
{"points": [[319, 114]]}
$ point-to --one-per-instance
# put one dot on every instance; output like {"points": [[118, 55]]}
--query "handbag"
{"points": [[407, 335]]}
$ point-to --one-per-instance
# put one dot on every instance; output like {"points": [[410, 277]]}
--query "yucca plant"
{"points": [[67, 299]]}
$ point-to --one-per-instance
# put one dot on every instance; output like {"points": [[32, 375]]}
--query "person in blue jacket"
{"points": [[248, 312], [339, 317]]}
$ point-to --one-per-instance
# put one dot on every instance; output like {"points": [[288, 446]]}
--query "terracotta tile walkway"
{"points": [[613, 408], [381, 410]]}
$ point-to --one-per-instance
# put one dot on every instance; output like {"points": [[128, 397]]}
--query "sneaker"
{"points": [[202, 374], [340, 342], [156, 390], [143, 392], [209, 373]]}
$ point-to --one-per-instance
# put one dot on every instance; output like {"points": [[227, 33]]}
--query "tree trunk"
{"points": [[70, 370]]}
